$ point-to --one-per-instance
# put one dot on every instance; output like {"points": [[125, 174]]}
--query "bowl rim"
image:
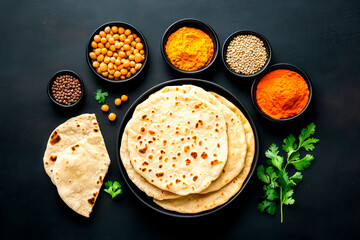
{"points": [[173, 26], [243, 32], [98, 29], [271, 68], [65, 72]]}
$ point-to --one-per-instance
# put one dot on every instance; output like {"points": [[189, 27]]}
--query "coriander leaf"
{"points": [[287, 196], [270, 193], [275, 159], [261, 175], [112, 187], [295, 156], [273, 176], [309, 144], [303, 163], [306, 133], [118, 192], [297, 177], [284, 179], [289, 145], [108, 184], [116, 185], [101, 96], [267, 206]]}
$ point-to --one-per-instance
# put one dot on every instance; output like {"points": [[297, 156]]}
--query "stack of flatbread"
{"points": [[189, 149], [77, 161]]}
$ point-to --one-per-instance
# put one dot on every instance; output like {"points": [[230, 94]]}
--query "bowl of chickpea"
{"points": [[117, 52]]}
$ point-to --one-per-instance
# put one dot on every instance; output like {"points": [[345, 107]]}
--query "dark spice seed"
{"points": [[66, 89]]}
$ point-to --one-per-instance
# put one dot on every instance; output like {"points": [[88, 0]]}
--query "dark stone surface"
{"points": [[38, 38]]}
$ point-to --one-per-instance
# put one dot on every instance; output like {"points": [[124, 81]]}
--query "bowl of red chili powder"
{"points": [[282, 92]]}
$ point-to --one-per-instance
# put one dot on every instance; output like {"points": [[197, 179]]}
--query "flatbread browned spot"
{"points": [[53, 158], [55, 138]]}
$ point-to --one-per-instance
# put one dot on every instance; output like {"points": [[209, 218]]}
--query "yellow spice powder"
{"points": [[189, 49]]}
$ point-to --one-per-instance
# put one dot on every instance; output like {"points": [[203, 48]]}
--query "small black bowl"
{"points": [[194, 23], [270, 69], [61, 73], [246, 32], [126, 26]]}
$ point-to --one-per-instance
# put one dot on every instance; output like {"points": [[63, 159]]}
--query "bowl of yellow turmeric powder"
{"points": [[189, 46], [282, 92]]}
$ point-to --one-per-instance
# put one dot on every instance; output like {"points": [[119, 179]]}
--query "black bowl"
{"points": [[246, 32], [208, 86], [272, 68], [60, 73], [126, 26], [194, 23]]}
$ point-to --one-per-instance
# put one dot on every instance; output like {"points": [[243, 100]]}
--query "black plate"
{"points": [[208, 86]]}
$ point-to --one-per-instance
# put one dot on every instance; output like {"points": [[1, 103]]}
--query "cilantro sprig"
{"points": [[278, 184], [100, 96], [113, 188]]}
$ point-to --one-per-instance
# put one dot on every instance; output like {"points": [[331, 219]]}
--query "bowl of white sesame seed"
{"points": [[246, 53]]}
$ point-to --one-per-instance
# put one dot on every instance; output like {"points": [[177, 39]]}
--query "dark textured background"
{"points": [[39, 38]]}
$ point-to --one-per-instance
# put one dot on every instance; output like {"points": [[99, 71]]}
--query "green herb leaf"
{"points": [[287, 196], [273, 177], [270, 193], [101, 96], [267, 206], [275, 159], [261, 175], [297, 177], [113, 188], [303, 163]]}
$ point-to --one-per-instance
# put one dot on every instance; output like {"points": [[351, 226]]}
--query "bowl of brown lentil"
{"points": [[65, 88], [246, 53]]}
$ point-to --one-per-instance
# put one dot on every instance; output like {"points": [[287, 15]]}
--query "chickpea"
{"points": [[138, 57], [103, 40], [138, 66], [121, 30], [117, 101], [124, 98], [97, 51], [139, 46], [112, 116], [92, 55], [100, 58], [114, 29], [127, 32], [96, 64], [104, 108], [93, 44], [97, 38], [103, 67], [103, 51], [123, 71]]}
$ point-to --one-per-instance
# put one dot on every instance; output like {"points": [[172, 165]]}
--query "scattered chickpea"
{"points": [[124, 98], [117, 101], [112, 117], [104, 108]]}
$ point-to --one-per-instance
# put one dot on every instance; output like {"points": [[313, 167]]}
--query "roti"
{"points": [[137, 179], [178, 142], [79, 172], [235, 133], [196, 203], [66, 134]]}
